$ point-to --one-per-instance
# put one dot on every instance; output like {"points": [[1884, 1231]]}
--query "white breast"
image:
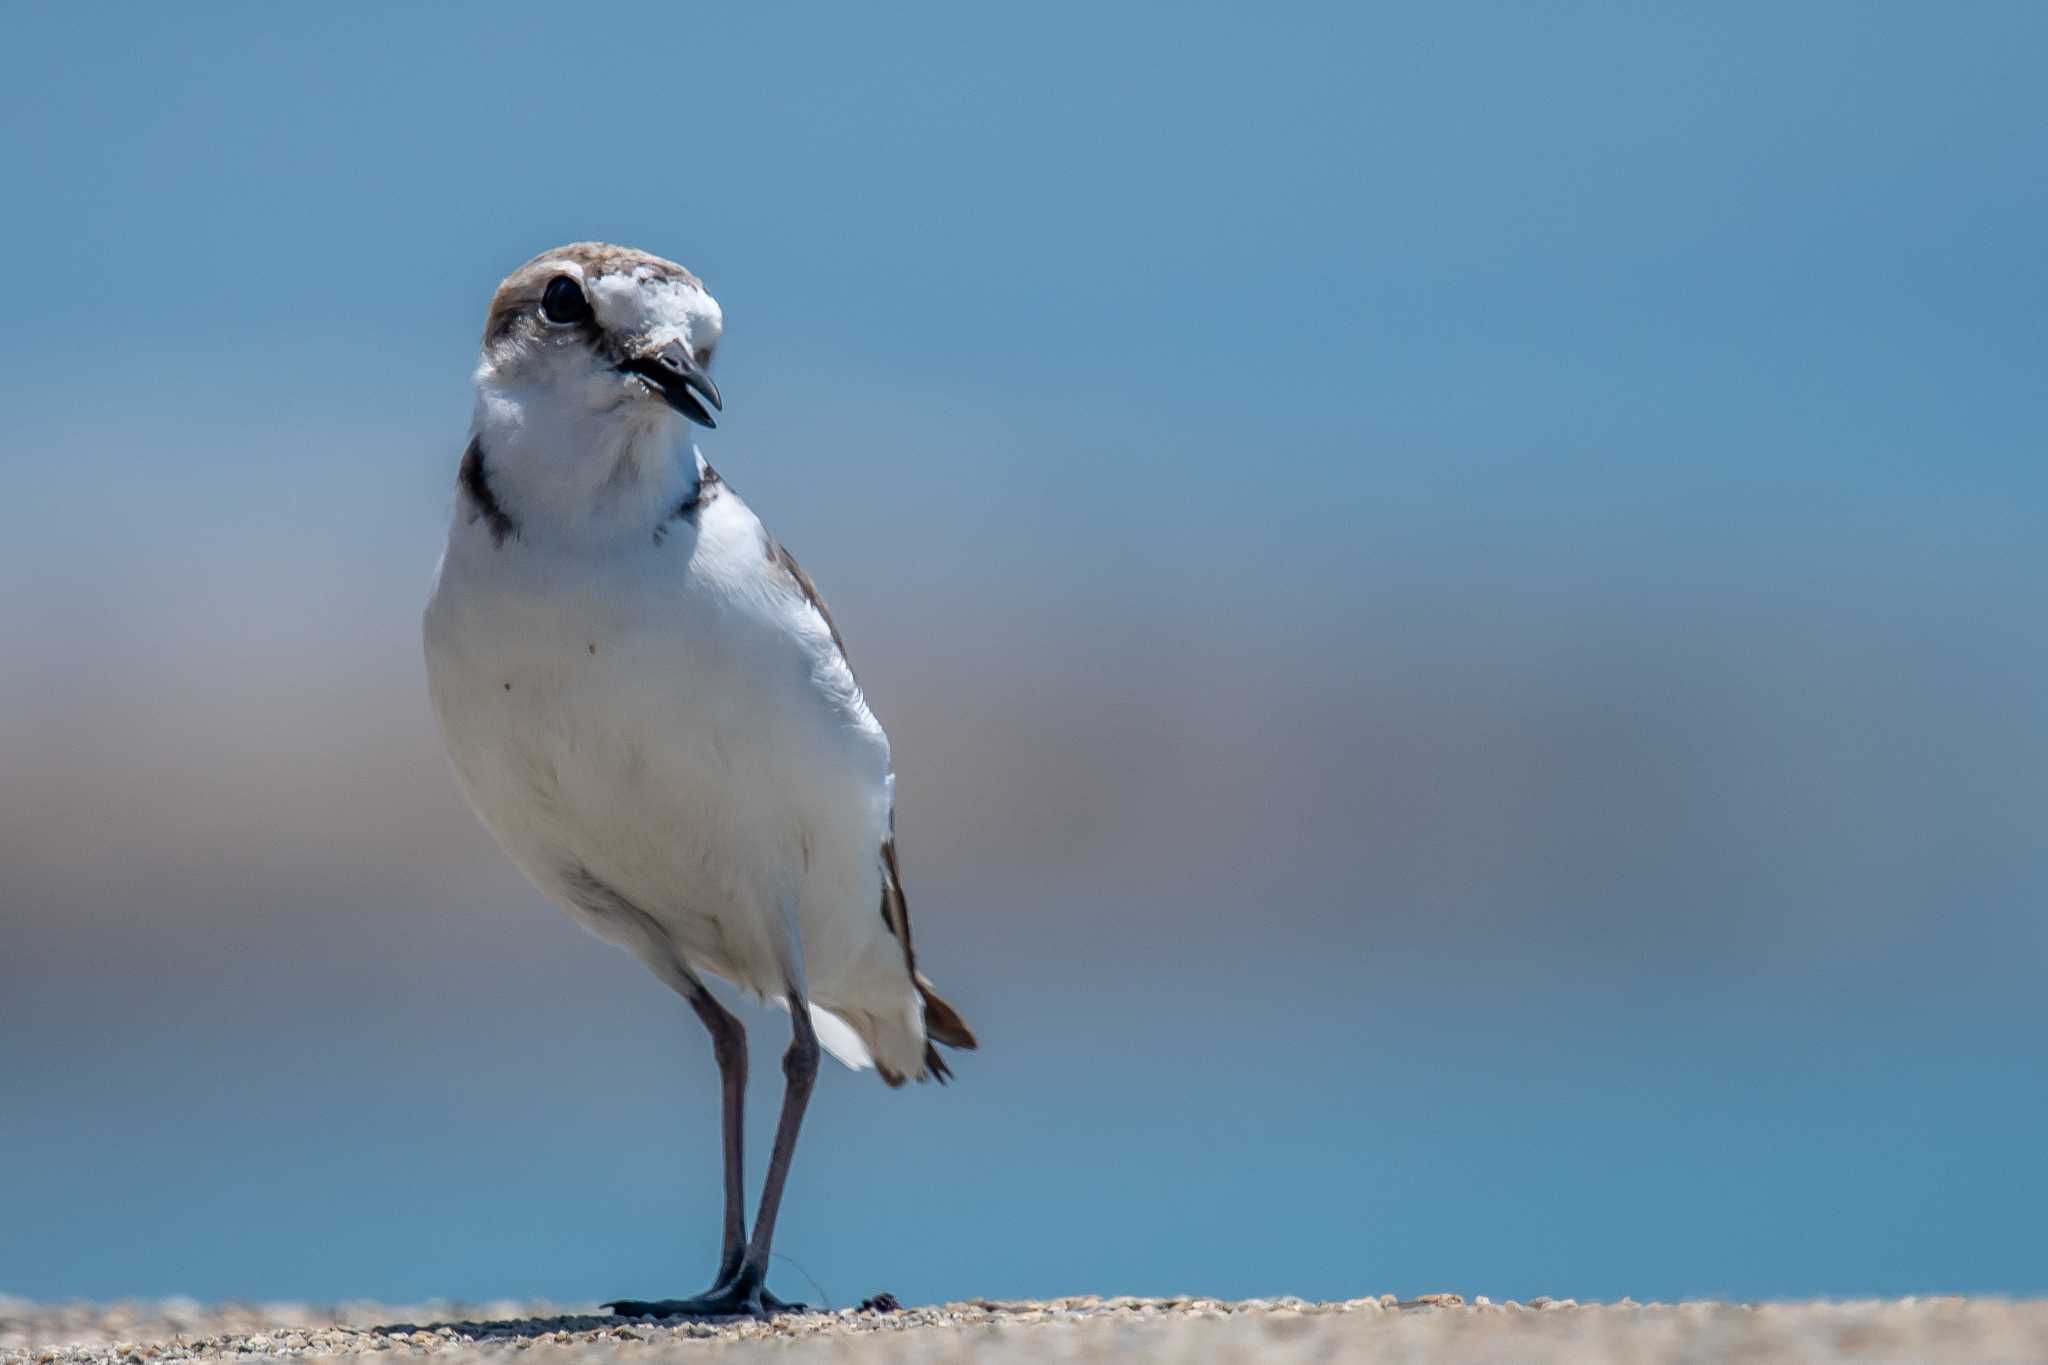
{"points": [[671, 719]]}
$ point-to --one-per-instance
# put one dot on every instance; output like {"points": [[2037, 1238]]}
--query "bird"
{"points": [[650, 708]]}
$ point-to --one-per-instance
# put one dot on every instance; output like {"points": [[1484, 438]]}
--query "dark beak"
{"points": [[681, 380]]}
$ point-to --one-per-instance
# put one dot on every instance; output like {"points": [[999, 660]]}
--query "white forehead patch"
{"points": [[655, 308]]}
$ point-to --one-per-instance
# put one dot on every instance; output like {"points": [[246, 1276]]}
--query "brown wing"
{"points": [[942, 1023]]}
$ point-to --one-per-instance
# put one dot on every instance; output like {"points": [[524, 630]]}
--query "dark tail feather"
{"points": [[943, 1024]]}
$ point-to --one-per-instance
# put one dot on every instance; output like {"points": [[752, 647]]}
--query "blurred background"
{"points": [[1459, 595]]}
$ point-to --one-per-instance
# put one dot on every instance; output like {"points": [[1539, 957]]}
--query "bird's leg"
{"points": [[729, 1046], [800, 1072], [740, 1289]]}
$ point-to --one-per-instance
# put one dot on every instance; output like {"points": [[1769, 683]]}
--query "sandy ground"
{"points": [[1440, 1329]]}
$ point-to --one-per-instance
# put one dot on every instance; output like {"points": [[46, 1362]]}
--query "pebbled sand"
{"points": [[1440, 1329]]}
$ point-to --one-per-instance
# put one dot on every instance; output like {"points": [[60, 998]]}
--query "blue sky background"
{"points": [[1459, 595]]}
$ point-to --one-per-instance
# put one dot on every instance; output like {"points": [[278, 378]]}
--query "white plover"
{"points": [[650, 708]]}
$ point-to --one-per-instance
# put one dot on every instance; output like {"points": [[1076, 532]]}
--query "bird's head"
{"points": [[607, 327], [593, 358]]}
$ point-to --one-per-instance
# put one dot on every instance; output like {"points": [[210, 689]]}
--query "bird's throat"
{"points": [[566, 474]]}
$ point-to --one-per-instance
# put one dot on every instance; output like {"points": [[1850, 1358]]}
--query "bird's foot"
{"points": [[735, 1299]]}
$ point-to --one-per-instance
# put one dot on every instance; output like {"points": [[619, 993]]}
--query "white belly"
{"points": [[660, 722]]}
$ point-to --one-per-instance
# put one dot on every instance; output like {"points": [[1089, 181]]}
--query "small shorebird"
{"points": [[650, 708]]}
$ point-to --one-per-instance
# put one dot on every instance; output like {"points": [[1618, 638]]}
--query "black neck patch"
{"points": [[483, 503], [705, 491]]}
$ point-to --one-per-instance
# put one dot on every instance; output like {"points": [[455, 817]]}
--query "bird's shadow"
{"points": [[516, 1329], [533, 1329]]}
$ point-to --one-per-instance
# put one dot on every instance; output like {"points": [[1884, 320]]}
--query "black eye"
{"points": [[563, 303]]}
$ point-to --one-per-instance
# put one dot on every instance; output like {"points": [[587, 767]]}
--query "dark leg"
{"points": [[800, 1072], [739, 1290], [729, 1046]]}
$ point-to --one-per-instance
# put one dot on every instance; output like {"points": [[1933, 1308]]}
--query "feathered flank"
{"points": [[779, 555]]}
